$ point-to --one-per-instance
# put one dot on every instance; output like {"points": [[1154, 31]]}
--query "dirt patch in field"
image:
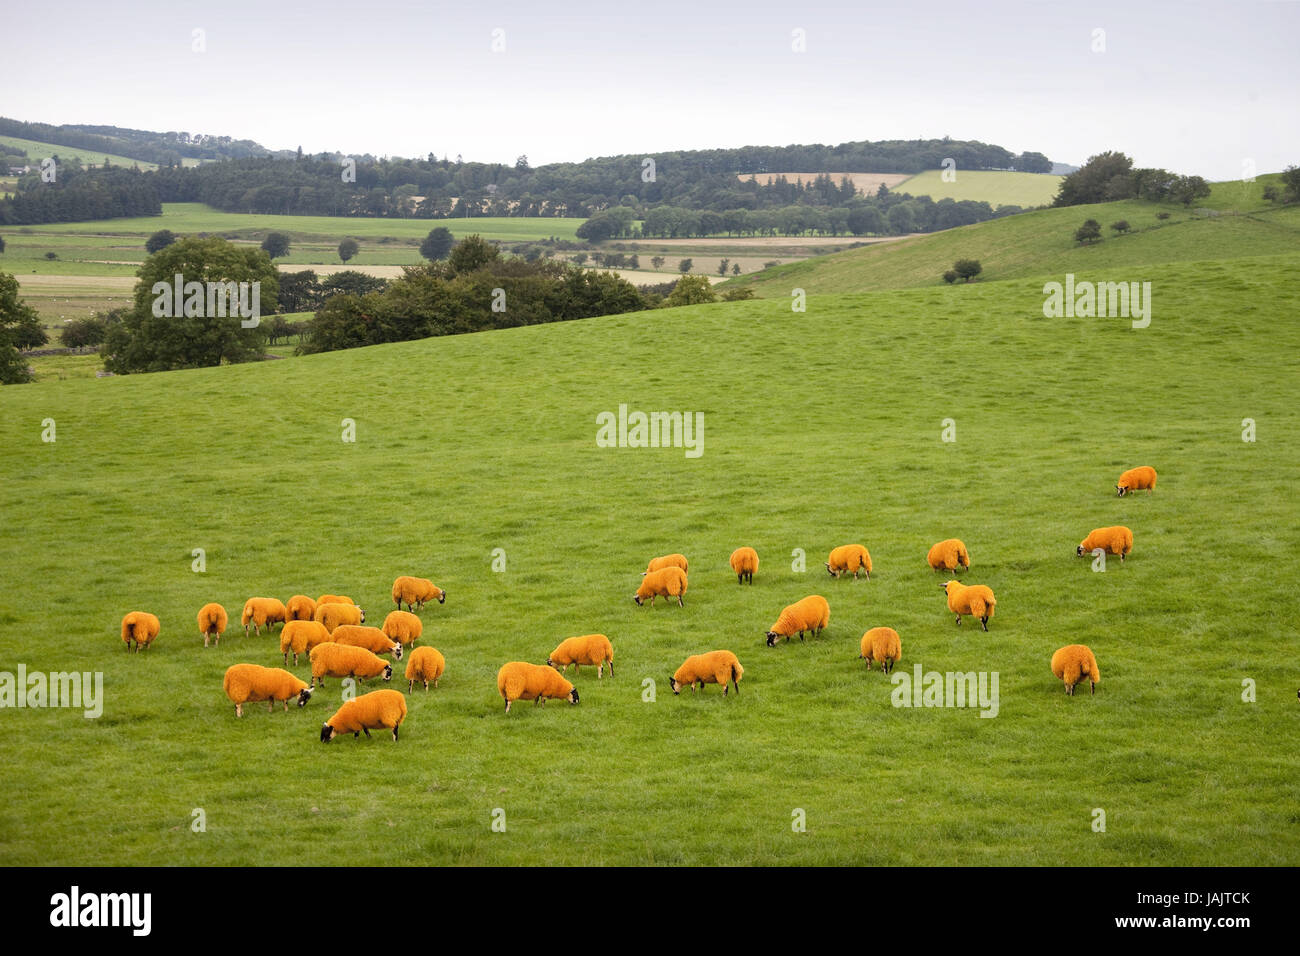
{"points": [[50, 284]]}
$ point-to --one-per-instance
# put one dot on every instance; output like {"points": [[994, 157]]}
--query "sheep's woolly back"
{"points": [[1116, 539], [714, 667], [744, 561], [591, 649], [669, 561], [334, 599], [425, 664], [665, 582], [333, 615], [881, 644], [403, 627], [379, 708], [520, 680], [850, 557], [139, 626], [299, 608], [1074, 662], [809, 614], [213, 619], [252, 682], [1138, 479], [371, 638], [263, 612], [343, 660], [974, 599], [948, 555], [301, 636]]}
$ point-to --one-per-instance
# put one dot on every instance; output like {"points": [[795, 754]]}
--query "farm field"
{"points": [[467, 444], [36, 151], [866, 183], [1041, 242], [995, 187]]}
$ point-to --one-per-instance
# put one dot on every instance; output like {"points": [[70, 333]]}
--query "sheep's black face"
{"points": [[388, 672], [397, 652], [1121, 490], [573, 696], [677, 688], [550, 663], [1079, 550], [637, 598], [304, 695], [831, 572], [771, 638], [442, 598], [326, 733], [363, 616]]}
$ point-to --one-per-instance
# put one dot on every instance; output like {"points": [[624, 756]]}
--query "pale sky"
{"points": [[1194, 87]]}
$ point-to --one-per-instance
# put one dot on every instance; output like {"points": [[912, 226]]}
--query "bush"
{"points": [[1088, 232], [1121, 226], [737, 295], [159, 240], [348, 248], [1162, 216], [437, 244], [84, 333], [691, 290], [276, 244], [950, 277], [684, 266], [967, 268]]}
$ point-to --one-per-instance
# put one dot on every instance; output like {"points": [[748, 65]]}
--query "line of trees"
{"points": [[1110, 176], [78, 194]]}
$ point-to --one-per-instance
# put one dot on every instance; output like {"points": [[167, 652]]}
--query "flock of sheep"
{"points": [[331, 632]]}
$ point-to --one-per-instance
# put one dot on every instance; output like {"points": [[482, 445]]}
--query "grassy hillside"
{"points": [[997, 188], [1042, 243], [821, 428], [36, 151]]}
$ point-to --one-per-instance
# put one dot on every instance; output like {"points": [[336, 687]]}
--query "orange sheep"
{"points": [[415, 591], [1113, 540], [246, 683], [810, 614], [881, 644], [426, 664], [403, 627], [668, 561], [340, 660], [261, 613], [849, 557], [669, 582], [299, 608], [520, 680], [1135, 479], [1073, 663], [139, 627], [948, 556], [744, 561], [212, 622], [371, 638], [974, 599], [379, 708], [332, 615], [334, 599], [300, 637], [593, 650], [715, 667]]}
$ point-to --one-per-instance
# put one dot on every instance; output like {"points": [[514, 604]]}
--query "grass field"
{"points": [[1042, 243], [36, 151], [821, 428], [995, 187]]}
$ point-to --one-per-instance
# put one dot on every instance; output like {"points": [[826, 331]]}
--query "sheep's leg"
{"points": [[679, 601], [395, 726], [367, 730], [270, 705], [507, 706], [959, 620], [985, 621], [239, 710], [1092, 688]]}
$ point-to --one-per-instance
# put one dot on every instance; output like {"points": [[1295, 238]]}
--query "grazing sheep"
{"points": [[332, 615], [810, 614], [371, 638], [974, 599], [248, 683], [669, 582], [139, 627], [426, 664], [299, 608], [415, 591], [668, 561], [744, 561], [1073, 663], [379, 709], [881, 644], [403, 626], [591, 649], [334, 599], [849, 557], [261, 613], [1135, 479], [948, 556], [1113, 540], [212, 622], [342, 660], [520, 680], [715, 667], [300, 637]]}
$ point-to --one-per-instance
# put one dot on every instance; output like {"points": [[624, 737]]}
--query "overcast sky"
{"points": [[1193, 87]]}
